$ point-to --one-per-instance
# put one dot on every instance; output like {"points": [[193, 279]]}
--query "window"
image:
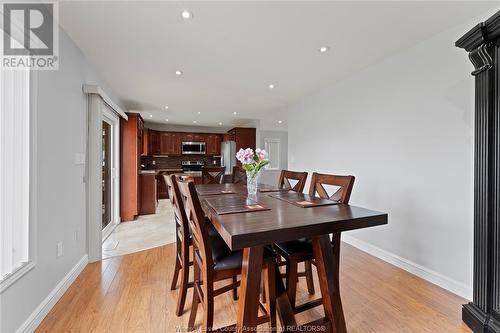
{"points": [[272, 146], [15, 105]]}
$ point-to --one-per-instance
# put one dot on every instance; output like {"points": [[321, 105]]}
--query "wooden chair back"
{"points": [[195, 218], [342, 194], [168, 183], [286, 176], [181, 222], [212, 174], [239, 175]]}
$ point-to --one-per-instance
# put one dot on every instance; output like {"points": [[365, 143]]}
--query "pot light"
{"points": [[280, 121], [186, 14], [150, 116], [166, 107], [271, 86], [324, 49], [178, 73], [194, 121], [166, 120], [220, 124], [235, 113], [199, 112]]}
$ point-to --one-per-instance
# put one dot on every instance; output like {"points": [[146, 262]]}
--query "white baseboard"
{"points": [[46, 305], [436, 278]]}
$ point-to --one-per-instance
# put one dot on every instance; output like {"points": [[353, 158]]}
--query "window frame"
{"points": [[21, 271], [268, 141]]}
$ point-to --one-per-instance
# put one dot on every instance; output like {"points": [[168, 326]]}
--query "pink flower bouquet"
{"points": [[252, 162]]}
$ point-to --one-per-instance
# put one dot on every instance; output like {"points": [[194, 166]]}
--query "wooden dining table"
{"points": [[284, 221]]}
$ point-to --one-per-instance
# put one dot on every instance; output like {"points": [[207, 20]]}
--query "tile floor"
{"points": [[147, 232]]}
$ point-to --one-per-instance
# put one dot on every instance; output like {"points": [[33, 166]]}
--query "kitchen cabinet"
{"points": [[213, 144], [200, 137], [154, 143], [245, 137], [131, 146], [165, 143], [176, 144], [187, 137], [145, 142], [148, 194]]}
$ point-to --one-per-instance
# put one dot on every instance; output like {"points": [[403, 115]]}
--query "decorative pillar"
{"points": [[483, 314]]}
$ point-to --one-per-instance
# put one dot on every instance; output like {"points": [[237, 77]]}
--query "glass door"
{"points": [[109, 179]]}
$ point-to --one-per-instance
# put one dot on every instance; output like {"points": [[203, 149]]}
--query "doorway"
{"points": [[109, 172]]}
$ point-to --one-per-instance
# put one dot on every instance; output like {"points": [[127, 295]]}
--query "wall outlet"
{"points": [[59, 249]]}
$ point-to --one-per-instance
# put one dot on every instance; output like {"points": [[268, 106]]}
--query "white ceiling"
{"points": [[231, 51]]}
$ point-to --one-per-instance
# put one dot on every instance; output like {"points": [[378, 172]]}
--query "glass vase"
{"points": [[252, 182]]}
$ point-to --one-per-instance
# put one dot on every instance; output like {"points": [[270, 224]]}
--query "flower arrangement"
{"points": [[252, 162]]}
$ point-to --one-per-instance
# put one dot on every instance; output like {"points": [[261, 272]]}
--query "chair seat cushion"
{"points": [[224, 258], [301, 248]]}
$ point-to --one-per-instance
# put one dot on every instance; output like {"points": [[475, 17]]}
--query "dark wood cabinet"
{"points": [[483, 46], [165, 143], [131, 146], [148, 194], [244, 137], [200, 137], [187, 137], [154, 143], [214, 144], [176, 143], [145, 142]]}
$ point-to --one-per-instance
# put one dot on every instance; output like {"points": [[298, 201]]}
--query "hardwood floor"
{"points": [[131, 294]]}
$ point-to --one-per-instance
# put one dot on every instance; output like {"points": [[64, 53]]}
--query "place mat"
{"points": [[213, 192], [234, 204], [267, 188], [303, 200]]}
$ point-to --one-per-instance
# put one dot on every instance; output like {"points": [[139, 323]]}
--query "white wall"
{"points": [[404, 128], [271, 176], [61, 132]]}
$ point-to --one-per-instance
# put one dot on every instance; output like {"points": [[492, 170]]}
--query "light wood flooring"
{"points": [[131, 294]]}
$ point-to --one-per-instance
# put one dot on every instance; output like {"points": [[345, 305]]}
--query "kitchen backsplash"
{"points": [[167, 162]]}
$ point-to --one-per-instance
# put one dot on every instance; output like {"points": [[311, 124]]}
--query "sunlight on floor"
{"points": [[147, 232]]}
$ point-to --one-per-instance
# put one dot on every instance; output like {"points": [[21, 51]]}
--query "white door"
{"points": [[110, 172]]}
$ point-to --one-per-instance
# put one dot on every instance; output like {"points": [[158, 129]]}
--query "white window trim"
{"points": [[10, 279], [267, 141]]}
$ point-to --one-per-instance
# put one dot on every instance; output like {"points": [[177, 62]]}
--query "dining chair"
{"points": [[286, 176], [213, 261], [182, 245], [300, 250], [212, 174], [239, 175]]}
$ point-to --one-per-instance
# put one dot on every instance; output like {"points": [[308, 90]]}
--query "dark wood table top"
{"points": [[284, 221]]}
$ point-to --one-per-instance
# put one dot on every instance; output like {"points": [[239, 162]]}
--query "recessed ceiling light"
{"points": [[280, 121], [324, 49], [187, 15], [220, 124], [271, 86], [166, 107], [199, 112], [166, 119], [235, 113], [194, 121], [178, 73], [150, 116]]}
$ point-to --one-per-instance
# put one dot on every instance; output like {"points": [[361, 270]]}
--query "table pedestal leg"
{"points": [[248, 304], [328, 273]]}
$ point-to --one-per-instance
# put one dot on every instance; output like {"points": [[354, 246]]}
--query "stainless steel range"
{"points": [[192, 166]]}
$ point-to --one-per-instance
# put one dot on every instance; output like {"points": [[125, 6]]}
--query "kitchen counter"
{"points": [[159, 171]]}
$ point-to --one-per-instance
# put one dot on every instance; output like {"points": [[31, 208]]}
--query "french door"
{"points": [[110, 171]]}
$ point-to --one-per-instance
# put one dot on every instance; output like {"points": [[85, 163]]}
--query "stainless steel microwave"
{"points": [[192, 148]]}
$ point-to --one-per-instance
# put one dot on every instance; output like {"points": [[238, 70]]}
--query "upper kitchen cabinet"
{"points": [[165, 143], [176, 143], [213, 144], [145, 142], [244, 137], [187, 137], [154, 142]]}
